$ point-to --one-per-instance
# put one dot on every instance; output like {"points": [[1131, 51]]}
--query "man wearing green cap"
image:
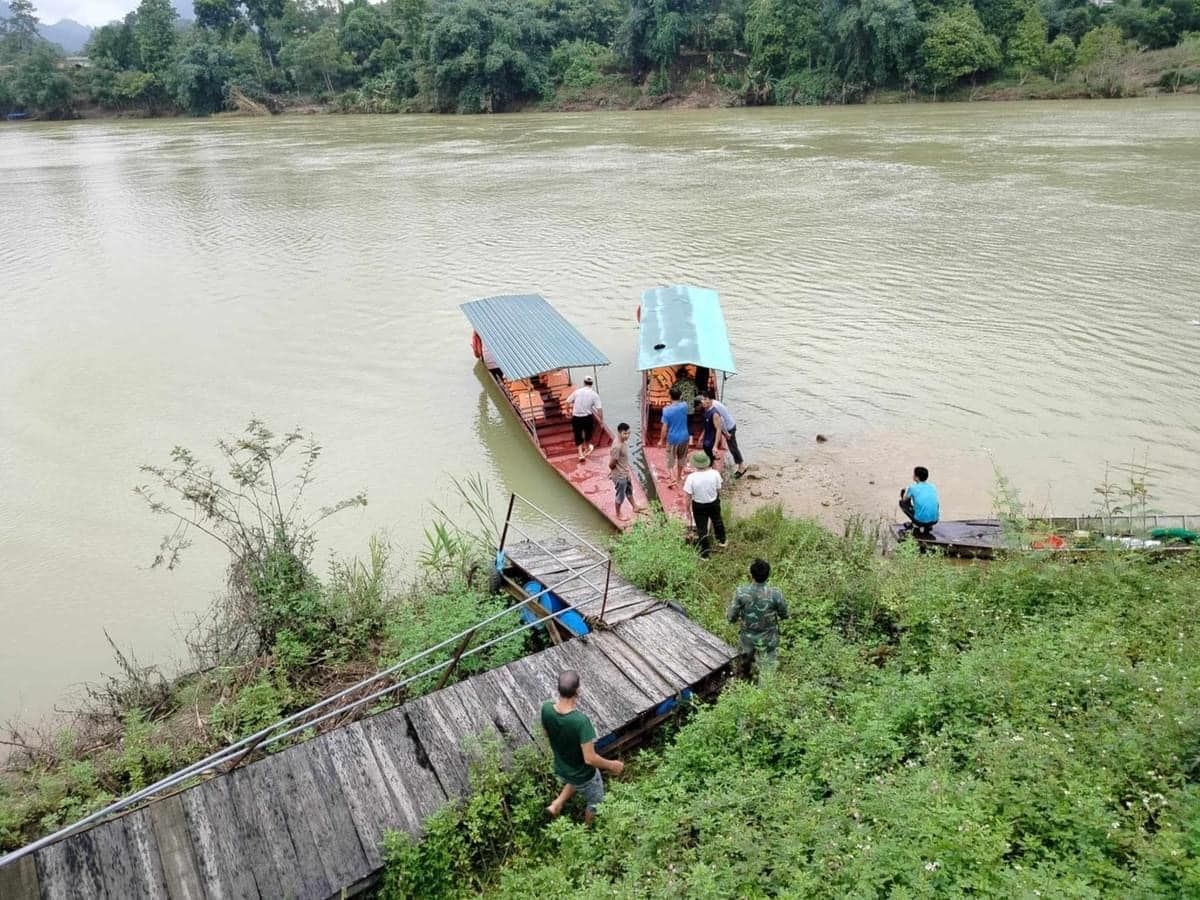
{"points": [[704, 487]]}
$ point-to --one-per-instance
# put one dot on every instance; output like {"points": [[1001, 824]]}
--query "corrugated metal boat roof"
{"points": [[528, 336], [683, 324]]}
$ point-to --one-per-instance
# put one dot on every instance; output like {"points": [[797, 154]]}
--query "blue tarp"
{"points": [[527, 336], [683, 324]]}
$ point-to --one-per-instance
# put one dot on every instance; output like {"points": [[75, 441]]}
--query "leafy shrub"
{"points": [[655, 556], [579, 64]]}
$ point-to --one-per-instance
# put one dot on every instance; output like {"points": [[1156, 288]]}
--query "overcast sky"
{"points": [[89, 12]]}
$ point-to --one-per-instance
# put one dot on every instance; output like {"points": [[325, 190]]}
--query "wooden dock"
{"points": [[309, 821]]}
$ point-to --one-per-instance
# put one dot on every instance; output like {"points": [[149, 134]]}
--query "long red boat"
{"points": [[684, 343], [530, 350]]}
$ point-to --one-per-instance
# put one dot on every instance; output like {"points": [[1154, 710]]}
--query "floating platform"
{"points": [[309, 821]]}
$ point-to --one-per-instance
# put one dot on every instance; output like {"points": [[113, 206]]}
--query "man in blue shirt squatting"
{"points": [[573, 741], [675, 435], [919, 501]]}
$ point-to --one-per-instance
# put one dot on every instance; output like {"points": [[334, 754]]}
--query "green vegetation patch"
{"points": [[1029, 726]]}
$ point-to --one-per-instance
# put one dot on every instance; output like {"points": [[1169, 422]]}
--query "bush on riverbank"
{"points": [[281, 639], [1022, 727]]}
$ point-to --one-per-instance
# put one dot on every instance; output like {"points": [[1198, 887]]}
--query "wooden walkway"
{"points": [[309, 821]]}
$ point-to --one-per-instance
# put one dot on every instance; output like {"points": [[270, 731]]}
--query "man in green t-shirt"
{"points": [[759, 608], [572, 738]]}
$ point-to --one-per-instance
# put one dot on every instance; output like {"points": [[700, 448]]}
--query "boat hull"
{"points": [[539, 405]]}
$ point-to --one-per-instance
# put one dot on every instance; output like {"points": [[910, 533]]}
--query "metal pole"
{"points": [[458, 652], [512, 498]]}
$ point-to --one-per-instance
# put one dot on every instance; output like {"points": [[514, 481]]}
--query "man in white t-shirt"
{"points": [[704, 487], [585, 409]]}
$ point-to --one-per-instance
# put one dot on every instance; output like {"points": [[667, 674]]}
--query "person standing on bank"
{"points": [[720, 430], [572, 740], [759, 608], [675, 435], [585, 409], [619, 472], [704, 487], [919, 501]]}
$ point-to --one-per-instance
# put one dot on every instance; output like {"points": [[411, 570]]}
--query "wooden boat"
{"points": [[530, 350], [682, 337], [987, 538]]}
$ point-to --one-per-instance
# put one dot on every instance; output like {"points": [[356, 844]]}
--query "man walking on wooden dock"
{"points": [[572, 738], [585, 404], [759, 608]]}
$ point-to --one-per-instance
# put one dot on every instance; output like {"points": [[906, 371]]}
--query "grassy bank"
{"points": [[1024, 728]]}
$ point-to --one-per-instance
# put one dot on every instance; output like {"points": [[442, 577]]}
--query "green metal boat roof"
{"points": [[527, 336], [683, 324]]}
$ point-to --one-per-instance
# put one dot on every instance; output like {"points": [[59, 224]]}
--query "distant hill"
{"points": [[68, 34], [72, 37]]}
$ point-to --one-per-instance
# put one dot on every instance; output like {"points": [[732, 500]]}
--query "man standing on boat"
{"points": [[619, 472], [919, 501], [675, 435], [585, 407], [720, 430], [759, 608], [573, 741], [704, 487]]}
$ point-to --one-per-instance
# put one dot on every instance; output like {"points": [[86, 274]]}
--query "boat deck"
{"points": [[309, 821], [655, 397]]}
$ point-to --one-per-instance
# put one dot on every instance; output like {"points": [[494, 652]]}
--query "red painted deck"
{"points": [[540, 404], [655, 396]]}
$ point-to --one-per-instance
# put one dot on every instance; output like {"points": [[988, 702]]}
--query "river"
{"points": [[1007, 283]]}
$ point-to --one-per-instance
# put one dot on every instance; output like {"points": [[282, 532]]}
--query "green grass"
{"points": [[1029, 727]]}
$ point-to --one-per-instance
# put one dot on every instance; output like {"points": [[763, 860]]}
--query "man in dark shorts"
{"points": [[675, 435], [572, 738], [585, 405], [619, 471]]}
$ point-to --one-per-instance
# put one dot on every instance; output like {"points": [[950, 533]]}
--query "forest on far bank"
{"points": [[494, 55]]}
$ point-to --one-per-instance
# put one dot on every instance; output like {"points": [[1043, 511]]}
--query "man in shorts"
{"points": [[619, 472], [585, 405], [572, 739], [675, 435]]}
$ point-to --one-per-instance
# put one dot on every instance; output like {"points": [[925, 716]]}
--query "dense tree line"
{"points": [[489, 55]]}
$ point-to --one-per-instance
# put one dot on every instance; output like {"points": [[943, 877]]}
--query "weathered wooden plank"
{"points": [[439, 739], [143, 851], [181, 872], [653, 680], [310, 869], [266, 840], [372, 805], [478, 727], [327, 815], [513, 724], [403, 762], [659, 651], [70, 869], [524, 696], [671, 633], [679, 630], [209, 816], [19, 880]]}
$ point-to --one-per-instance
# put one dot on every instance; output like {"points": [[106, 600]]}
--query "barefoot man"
{"points": [[572, 738], [619, 472]]}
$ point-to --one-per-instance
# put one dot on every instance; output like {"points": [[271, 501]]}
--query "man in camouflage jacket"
{"points": [[759, 608]]}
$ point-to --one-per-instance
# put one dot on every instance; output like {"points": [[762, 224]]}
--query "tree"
{"points": [[200, 77], [1027, 46], [155, 34], [873, 42], [484, 56], [255, 513], [314, 62], [784, 36], [1060, 56], [115, 45], [957, 46], [217, 15], [20, 34], [38, 85], [1098, 56]]}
